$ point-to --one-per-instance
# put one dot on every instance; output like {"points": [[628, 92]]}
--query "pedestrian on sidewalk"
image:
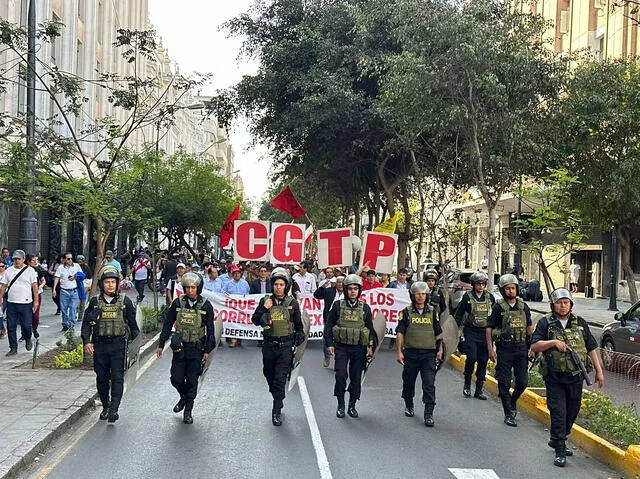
{"points": [[472, 313], [141, 268], [349, 335], [20, 284], [3, 330], [556, 335], [32, 261], [56, 286], [279, 316], [109, 322], [191, 343], [509, 326], [66, 277], [418, 345]]}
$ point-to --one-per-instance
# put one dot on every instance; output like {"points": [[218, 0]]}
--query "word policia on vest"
{"points": [[283, 243], [420, 333], [235, 311], [111, 323]]}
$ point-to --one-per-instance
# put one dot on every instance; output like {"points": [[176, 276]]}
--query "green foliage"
{"points": [[617, 424], [70, 359], [152, 319]]}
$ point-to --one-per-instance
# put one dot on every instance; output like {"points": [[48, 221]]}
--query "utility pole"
{"points": [[613, 255], [29, 222]]}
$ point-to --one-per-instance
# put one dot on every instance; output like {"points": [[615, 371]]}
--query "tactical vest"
{"points": [[434, 300], [515, 320], [280, 316], [350, 328], [111, 323], [189, 322], [480, 311], [420, 333], [562, 362]]}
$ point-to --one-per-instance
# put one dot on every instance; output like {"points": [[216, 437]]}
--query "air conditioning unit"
{"points": [[564, 21]]}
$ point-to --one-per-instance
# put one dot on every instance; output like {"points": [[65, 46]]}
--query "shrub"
{"points": [[151, 318], [619, 424], [70, 359]]}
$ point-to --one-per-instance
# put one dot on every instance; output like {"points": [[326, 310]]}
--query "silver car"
{"points": [[622, 336], [458, 284]]}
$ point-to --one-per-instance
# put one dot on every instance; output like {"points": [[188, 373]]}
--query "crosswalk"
{"points": [[474, 473]]}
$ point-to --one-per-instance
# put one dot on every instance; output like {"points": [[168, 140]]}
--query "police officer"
{"points": [[557, 333], [192, 341], [349, 335], [418, 344], [109, 322], [509, 325], [436, 299], [472, 313], [279, 316]]}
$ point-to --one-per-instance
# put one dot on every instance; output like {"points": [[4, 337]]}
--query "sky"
{"points": [[189, 31]]}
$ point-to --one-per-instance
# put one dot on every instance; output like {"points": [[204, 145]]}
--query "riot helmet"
{"points": [[560, 293], [506, 279], [107, 272], [192, 279], [478, 277]]}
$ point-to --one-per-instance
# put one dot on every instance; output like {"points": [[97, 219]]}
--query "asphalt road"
{"points": [[232, 435]]}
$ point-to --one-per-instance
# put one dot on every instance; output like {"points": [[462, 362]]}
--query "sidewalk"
{"points": [[594, 310], [37, 405]]}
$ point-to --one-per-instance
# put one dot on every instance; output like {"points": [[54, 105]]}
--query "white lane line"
{"points": [[321, 455], [474, 473]]}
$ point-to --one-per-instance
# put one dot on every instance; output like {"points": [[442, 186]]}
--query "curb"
{"points": [[627, 462], [83, 407], [590, 323]]}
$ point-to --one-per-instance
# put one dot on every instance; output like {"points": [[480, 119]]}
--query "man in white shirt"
{"points": [[66, 277], [141, 268], [20, 283], [306, 281]]}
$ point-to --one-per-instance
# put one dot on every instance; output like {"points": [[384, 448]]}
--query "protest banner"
{"points": [[251, 240], [287, 243], [378, 251], [236, 310], [334, 248]]}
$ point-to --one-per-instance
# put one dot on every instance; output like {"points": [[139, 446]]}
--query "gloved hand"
{"points": [[299, 338]]}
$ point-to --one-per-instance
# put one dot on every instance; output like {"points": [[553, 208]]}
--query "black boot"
{"points": [[276, 419], [509, 417], [479, 394], [113, 413], [466, 390], [187, 418], [567, 452], [428, 415], [340, 410], [180, 404], [514, 410], [561, 454], [352, 408], [105, 413], [408, 408]]}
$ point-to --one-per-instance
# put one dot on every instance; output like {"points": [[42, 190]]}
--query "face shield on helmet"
{"points": [[192, 279], [560, 293], [506, 279]]}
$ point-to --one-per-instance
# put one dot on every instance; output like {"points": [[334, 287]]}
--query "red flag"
{"points": [[287, 202], [227, 229]]}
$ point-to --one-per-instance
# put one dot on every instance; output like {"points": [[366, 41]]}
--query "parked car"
{"points": [[458, 284], [418, 275], [622, 336]]}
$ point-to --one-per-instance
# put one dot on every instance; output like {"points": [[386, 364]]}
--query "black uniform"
{"points": [[109, 352], [436, 298], [512, 355], [277, 351], [564, 389], [475, 340], [186, 363], [419, 360], [352, 357]]}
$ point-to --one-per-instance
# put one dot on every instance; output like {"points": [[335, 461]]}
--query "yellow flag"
{"points": [[387, 226]]}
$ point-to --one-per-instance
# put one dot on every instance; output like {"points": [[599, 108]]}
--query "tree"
{"points": [[85, 169], [473, 88], [600, 114]]}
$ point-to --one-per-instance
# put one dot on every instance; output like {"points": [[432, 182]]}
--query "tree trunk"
{"points": [[492, 243], [405, 235], [545, 273], [356, 220], [625, 259], [101, 240], [421, 224]]}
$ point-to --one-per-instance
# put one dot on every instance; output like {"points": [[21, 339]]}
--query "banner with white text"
{"points": [[236, 311]]}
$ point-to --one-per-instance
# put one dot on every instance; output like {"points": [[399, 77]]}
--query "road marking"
{"points": [[84, 429], [321, 455], [474, 473]]}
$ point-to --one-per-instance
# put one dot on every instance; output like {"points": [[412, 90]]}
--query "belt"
{"points": [[69, 289], [281, 340], [109, 339]]}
